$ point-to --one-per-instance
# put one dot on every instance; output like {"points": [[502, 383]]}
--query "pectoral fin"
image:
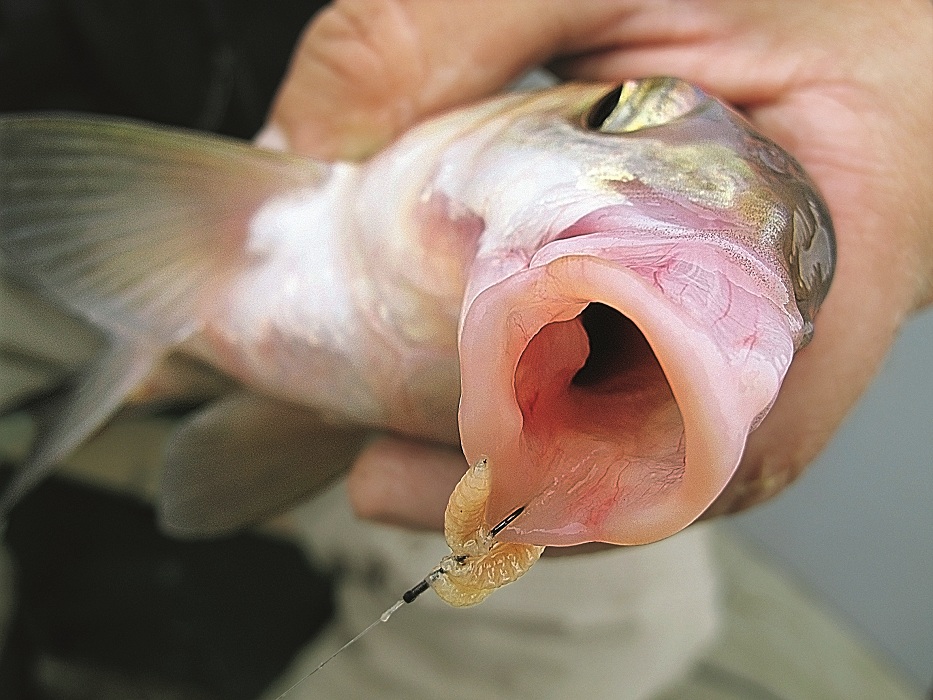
{"points": [[245, 458]]}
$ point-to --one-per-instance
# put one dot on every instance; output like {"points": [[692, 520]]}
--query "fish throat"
{"points": [[596, 382]]}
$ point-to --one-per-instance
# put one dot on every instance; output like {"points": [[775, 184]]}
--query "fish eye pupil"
{"points": [[602, 109]]}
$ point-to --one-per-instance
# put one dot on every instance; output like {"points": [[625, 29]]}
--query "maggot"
{"points": [[477, 564]]}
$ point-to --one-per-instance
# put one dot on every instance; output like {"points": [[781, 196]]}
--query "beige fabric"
{"points": [[778, 641], [619, 624], [701, 616]]}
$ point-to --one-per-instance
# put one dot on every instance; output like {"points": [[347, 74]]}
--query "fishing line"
{"points": [[408, 596]]}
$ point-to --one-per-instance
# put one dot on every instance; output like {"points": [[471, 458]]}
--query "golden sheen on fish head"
{"points": [[648, 266], [777, 214], [668, 152]]}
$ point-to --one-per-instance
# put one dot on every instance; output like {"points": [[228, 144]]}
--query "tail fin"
{"points": [[136, 228]]}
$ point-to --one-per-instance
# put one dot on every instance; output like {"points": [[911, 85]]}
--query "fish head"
{"points": [[662, 154], [648, 266]]}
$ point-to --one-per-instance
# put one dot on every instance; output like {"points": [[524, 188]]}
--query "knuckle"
{"points": [[359, 42], [357, 75]]}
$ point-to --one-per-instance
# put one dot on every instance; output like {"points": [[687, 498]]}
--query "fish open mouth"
{"points": [[595, 385], [607, 402]]}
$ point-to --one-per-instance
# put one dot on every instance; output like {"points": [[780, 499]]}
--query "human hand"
{"points": [[844, 85]]}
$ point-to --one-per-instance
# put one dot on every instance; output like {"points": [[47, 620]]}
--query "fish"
{"points": [[596, 289]]}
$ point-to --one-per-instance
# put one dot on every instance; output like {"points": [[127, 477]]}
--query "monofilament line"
{"points": [[409, 596], [382, 618]]}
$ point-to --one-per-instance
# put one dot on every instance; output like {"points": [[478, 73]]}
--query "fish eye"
{"points": [[639, 104], [602, 110]]}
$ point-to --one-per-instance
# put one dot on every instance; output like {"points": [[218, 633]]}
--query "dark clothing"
{"points": [[206, 64]]}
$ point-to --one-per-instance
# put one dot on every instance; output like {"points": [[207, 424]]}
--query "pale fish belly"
{"points": [[307, 324]]}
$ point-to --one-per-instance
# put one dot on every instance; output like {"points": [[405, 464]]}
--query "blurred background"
{"points": [[858, 526]]}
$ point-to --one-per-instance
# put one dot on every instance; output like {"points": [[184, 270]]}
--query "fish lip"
{"points": [[716, 423]]}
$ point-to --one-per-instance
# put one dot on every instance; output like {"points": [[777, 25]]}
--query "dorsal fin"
{"points": [[133, 226], [137, 228]]}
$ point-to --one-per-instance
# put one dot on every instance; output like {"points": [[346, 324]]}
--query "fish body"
{"points": [[599, 289]]}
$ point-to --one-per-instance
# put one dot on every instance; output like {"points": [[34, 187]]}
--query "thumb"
{"points": [[366, 70]]}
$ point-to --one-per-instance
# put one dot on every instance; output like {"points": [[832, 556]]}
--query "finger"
{"points": [[876, 280], [365, 70], [401, 482]]}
